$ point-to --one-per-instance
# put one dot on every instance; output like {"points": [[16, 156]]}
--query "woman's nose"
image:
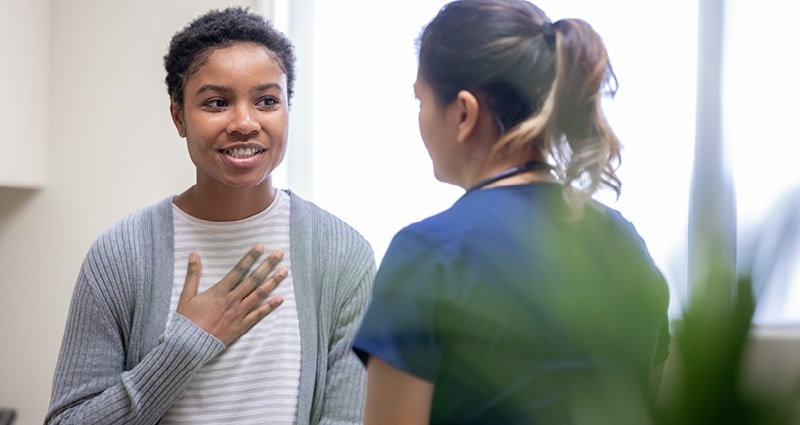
{"points": [[243, 121]]}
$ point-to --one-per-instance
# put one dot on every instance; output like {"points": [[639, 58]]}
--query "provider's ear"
{"points": [[177, 117], [468, 110]]}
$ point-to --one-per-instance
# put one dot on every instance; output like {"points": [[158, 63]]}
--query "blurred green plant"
{"points": [[710, 343]]}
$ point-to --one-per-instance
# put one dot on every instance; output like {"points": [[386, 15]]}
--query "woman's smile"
{"points": [[243, 156]]}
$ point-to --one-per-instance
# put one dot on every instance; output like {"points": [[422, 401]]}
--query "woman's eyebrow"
{"points": [[268, 86], [226, 89], [213, 87]]}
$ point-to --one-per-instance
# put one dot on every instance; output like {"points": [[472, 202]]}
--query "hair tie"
{"points": [[548, 32]]}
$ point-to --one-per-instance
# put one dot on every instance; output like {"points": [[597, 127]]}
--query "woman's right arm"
{"points": [[91, 383]]}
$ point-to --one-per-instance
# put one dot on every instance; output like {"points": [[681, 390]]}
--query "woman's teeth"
{"points": [[242, 152]]}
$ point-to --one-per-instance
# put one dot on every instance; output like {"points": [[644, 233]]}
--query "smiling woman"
{"points": [[229, 335]]}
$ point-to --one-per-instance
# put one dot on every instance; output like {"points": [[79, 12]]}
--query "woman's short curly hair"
{"points": [[191, 46]]}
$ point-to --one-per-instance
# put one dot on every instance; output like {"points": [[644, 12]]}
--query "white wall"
{"points": [[112, 149]]}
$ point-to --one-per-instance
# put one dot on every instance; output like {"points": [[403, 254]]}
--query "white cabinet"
{"points": [[24, 92]]}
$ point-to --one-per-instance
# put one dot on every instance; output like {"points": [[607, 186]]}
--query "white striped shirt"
{"points": [[255, 380]]}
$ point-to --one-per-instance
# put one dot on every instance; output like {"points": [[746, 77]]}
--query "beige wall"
{"points": [[112, 148]]}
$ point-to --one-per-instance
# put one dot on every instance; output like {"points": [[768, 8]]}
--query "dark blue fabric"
{"points": [[516, 313]]}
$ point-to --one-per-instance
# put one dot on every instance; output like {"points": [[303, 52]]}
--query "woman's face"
{"points": [[235, 117], [437, 133]]}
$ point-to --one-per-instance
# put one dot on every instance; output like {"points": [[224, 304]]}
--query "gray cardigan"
{"points": [[120, 364]]}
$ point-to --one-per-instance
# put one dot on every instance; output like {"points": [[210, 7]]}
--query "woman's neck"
{"points": [[228, 204], [508, 173]]}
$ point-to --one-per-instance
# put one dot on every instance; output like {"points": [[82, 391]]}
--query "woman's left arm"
{"points": [[395, 397], [345, 383]]}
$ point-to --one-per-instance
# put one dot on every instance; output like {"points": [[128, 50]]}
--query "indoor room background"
{"points": [[706, 111]]}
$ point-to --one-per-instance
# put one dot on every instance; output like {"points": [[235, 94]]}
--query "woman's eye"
{"points": [[268, 101], [216, 103]]}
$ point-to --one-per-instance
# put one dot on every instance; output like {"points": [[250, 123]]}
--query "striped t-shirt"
{"points": [[255, 380]]}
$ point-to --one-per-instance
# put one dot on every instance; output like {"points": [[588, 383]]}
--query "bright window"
{"points": [[761, 93]]}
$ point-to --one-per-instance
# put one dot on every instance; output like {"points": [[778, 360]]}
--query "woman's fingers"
{"points": [[237, 273], [261, 275], [192, 281], [263, 310]]}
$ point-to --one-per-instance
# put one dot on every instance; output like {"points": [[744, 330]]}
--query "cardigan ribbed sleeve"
{"points": [[338, 279], [100, 377]]}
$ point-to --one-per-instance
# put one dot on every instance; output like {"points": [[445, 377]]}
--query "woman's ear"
{"points": [[468, 110], [176, 111]]}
